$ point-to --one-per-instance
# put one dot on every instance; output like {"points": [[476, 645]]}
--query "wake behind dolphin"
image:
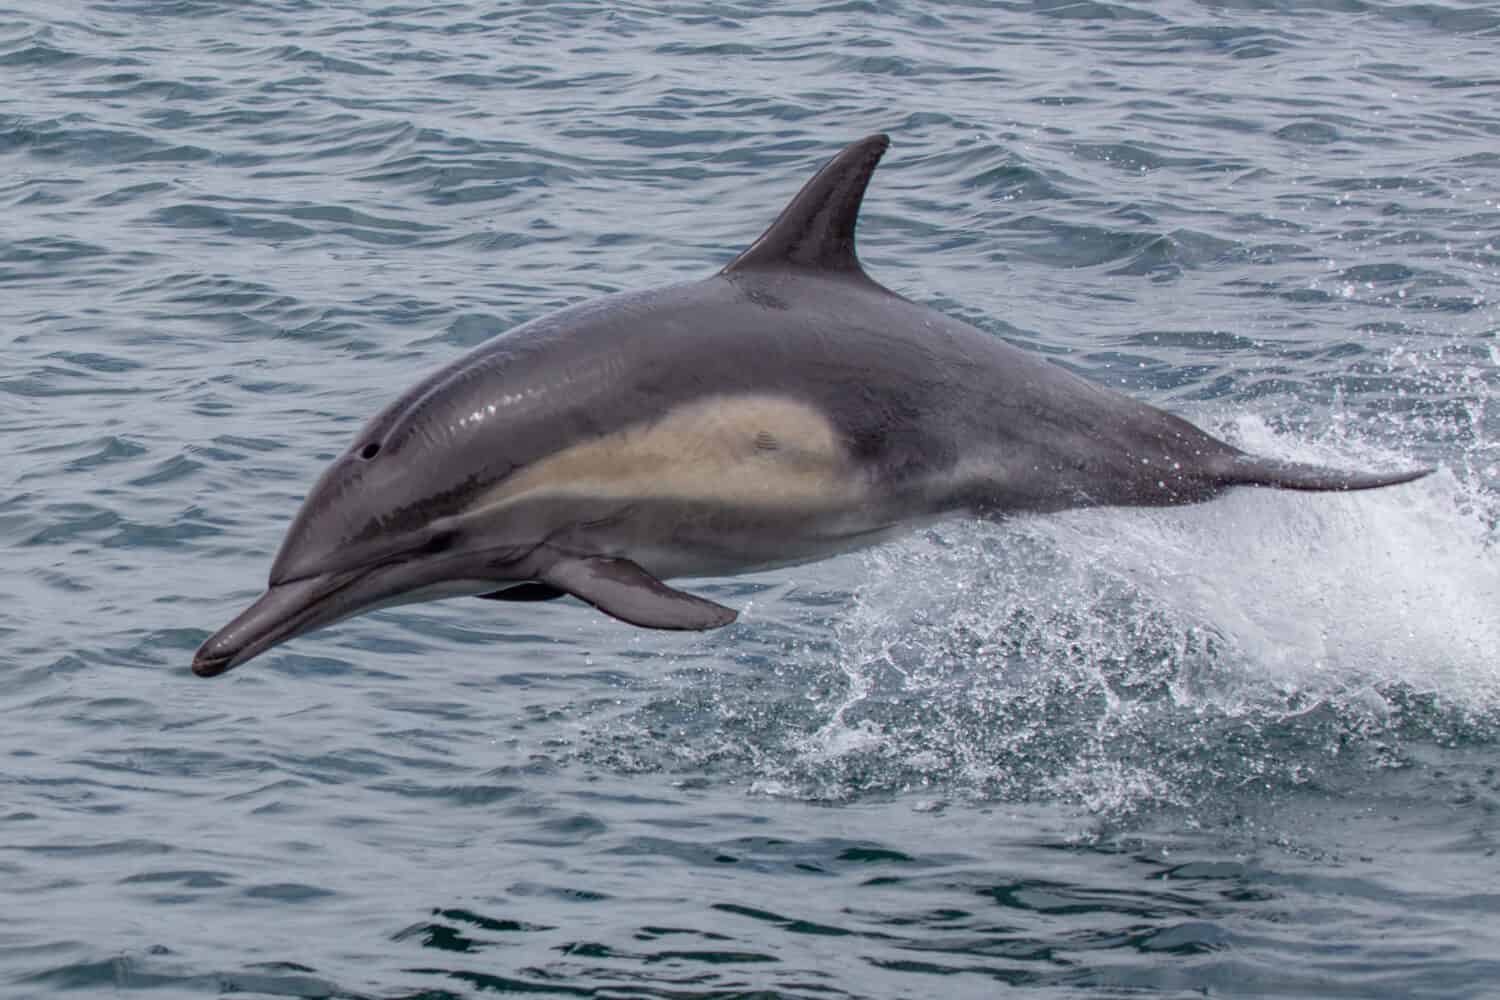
{"points": [[787, 409]]}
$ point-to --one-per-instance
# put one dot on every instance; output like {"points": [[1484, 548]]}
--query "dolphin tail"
{"points": [[1248, 470]]}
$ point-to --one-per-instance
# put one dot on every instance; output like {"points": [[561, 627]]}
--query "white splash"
{"points": [[1103, 656]]}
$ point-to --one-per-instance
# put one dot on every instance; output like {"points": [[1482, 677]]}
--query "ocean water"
{"points": [[1244, 749]]}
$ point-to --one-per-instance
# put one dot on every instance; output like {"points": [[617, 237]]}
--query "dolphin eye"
{"points": [[370, 450]]}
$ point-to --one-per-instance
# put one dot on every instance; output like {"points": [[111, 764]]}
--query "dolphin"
{"points": [[786, 409]]}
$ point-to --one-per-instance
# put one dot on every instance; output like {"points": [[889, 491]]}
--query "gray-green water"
{"points": [[1247, 749]]}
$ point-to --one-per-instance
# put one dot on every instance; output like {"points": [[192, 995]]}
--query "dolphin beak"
{"points": [[282, 612]]}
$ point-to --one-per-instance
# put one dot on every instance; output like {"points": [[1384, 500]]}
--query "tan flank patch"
{"points": [[753, 450]]}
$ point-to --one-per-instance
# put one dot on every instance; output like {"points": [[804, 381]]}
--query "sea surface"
{"points": [[1247, 749]]}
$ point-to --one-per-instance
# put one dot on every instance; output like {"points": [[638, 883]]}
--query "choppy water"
{"points": [[1247, 749]]}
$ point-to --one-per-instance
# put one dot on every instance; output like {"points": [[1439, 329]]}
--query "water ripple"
{"points": [[1246, 748]]}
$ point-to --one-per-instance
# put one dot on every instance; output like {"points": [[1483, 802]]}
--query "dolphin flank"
{"points": [[786, 409]]}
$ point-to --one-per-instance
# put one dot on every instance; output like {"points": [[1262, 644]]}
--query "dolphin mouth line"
{"points": [[211, 666]]}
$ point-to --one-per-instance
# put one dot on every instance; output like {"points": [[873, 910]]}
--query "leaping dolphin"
{"points": [[786, 409]]}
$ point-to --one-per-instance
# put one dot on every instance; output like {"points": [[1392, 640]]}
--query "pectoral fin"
{"points": [[620, 588]]}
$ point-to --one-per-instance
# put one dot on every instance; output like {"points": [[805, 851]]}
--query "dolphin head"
{"points": [[388, 522]]}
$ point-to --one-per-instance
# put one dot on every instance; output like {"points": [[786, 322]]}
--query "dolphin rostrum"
{"points": [[783, 410]]}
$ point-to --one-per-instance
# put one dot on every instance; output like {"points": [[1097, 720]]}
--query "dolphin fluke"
{"points": [[1247, 470]]}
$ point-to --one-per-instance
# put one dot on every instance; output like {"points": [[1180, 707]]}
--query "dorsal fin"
{"points": [[816, 230]]}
